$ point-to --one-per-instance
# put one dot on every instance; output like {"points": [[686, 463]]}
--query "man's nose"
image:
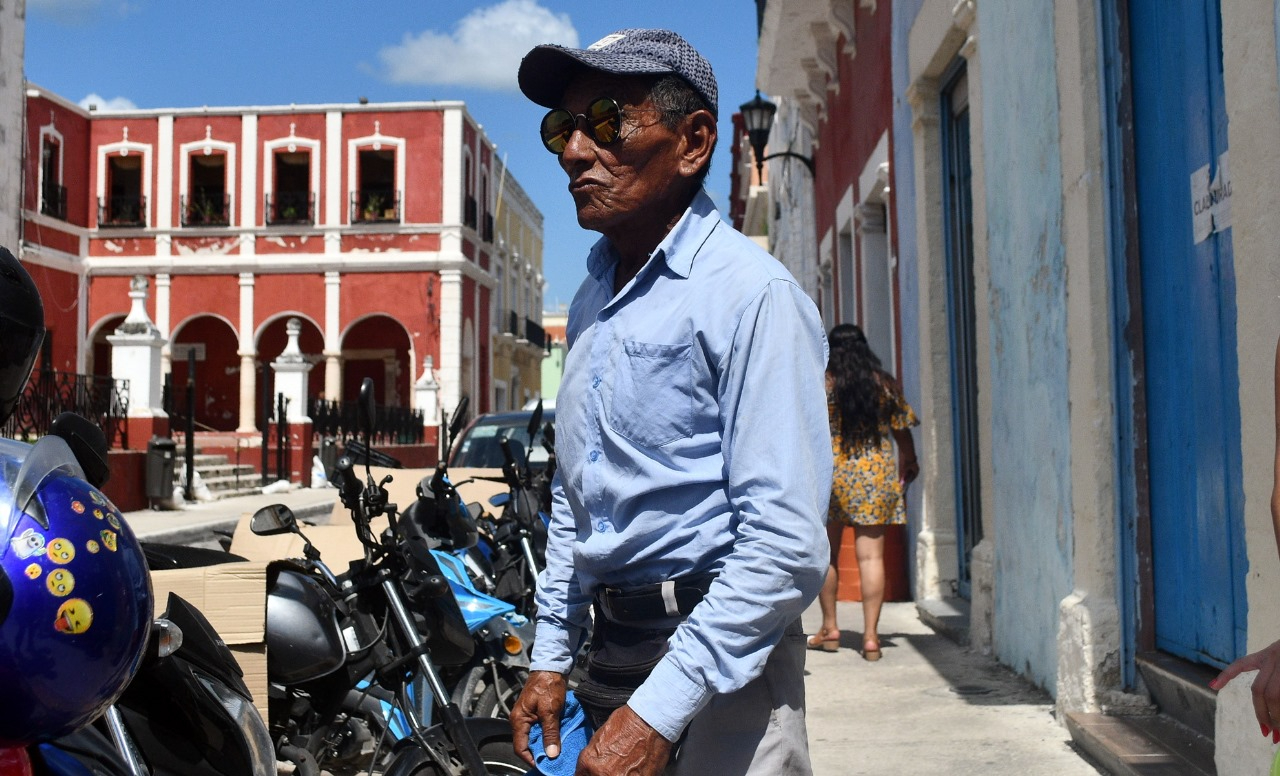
{"points": [[579, 147]]}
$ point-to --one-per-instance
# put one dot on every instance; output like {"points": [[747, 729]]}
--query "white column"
{"points": [[292, 369], [450, 336], [247, 351], [135, 355], [333, 336], [249, 184], [162, 319]]}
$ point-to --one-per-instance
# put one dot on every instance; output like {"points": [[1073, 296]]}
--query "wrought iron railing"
{"points": [[205, 210], [49, 394], [394, 425], [122, 211], [289, 207], [53, 201], [375, 205]]}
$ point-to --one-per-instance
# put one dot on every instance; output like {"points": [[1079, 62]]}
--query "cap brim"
{"points": [[545, 72]]}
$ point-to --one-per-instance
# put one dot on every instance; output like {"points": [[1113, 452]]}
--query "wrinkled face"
{"points": [[617, 185]]}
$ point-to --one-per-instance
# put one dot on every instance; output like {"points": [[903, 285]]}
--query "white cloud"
{"points": [[484, 50], [101, 103]]}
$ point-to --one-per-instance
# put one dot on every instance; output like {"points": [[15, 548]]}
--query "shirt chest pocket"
{"points": [[651, 396]]}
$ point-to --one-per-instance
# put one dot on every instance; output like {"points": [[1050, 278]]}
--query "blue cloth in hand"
{"points": [[575, 732]]}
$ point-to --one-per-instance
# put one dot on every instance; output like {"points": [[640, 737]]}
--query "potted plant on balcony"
{"points": [[373, 207]]}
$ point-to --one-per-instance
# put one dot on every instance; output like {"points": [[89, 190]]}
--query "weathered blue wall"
{"points": [[904, 209], [1030, 438]]}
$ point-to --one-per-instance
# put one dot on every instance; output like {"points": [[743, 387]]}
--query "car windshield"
{"points": [[479, 447]]}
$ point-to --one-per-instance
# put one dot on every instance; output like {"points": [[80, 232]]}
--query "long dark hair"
{"points": [[863, 404]]}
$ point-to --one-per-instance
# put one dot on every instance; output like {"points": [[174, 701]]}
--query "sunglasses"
{"points": [[603, 125]]}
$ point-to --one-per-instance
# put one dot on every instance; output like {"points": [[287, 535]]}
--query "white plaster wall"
{"points": [[12, 103], [1253, 110]]}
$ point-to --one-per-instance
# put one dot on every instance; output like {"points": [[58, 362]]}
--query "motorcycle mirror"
{"points": [[459, 416], [87, 443], [273, 519], [367, 407], [535, 421]]}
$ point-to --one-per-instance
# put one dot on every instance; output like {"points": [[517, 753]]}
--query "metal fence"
{"points": [[49, 394], [393, 426]]}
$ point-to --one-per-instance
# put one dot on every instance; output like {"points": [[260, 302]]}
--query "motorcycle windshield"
{"points": [[23, 468]]}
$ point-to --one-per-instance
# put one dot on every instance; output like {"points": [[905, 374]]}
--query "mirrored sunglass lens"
{"points": [[557, 126], [605, 120]]}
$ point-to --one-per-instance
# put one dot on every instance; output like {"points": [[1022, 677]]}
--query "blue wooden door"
{"points": [[1188, 320]]}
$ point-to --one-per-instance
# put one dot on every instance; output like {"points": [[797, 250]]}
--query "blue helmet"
{"points": [[75, 595]]}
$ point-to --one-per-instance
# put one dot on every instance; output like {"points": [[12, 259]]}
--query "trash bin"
{"points": [[328, 456], [161, 452]]}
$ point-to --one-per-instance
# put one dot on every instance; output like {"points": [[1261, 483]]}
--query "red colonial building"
{"points": [[380, 228]]}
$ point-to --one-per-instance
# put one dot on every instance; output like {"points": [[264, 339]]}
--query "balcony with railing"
{"points": [[124, 211], [372, 206], [284, 208], [53, 200], [206, 210], [536, 335]]}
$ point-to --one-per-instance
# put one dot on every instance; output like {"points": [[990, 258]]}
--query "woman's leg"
{"points": [[827, 595], [869, 543]]}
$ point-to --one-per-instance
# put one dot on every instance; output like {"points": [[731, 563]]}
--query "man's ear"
{"points": [[698, 140]]}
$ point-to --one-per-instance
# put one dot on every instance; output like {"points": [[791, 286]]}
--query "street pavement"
{"points": [[930, 706]]}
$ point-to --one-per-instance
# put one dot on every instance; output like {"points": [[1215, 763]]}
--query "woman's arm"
{"points": [[908, 466]]}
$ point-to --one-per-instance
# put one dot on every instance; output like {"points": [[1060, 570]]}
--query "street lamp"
{"points": [[757, 115]]}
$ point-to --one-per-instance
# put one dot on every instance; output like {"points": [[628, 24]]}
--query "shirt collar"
{"points": [[677, 249]]}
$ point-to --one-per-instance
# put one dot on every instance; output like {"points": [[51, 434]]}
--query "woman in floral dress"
{"points": [[868, 415]]}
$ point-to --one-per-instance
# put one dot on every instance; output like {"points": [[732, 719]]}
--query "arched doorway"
{"points": [[272, 339], [100, 350], [378, 347], [217, 378]]}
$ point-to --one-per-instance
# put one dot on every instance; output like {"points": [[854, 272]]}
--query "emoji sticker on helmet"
{"points": [[114, 521], [91, 546], [98, 498], [74, 616], [60, 582], [98, 514], [61, 551], [77, 507], [27, 544], [109, 540], [33, 571]]}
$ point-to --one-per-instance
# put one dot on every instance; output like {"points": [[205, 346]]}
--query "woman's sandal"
{"points": [[871, 651], [826, 644]]}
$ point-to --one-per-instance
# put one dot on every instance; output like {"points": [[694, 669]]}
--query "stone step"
{"points": [[1148, 745], [1180, 689]]}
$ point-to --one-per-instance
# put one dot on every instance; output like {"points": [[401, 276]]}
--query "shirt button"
{"points": [[595, 383], [595, 456]]}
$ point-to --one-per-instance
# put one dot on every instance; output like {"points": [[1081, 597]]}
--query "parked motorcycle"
{"points": [[358, 659]]}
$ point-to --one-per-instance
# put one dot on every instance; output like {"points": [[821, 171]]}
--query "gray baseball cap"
{"points": [[547, 69]]}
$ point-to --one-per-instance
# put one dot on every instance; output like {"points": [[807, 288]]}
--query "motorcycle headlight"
{"points": [[262, 752]]}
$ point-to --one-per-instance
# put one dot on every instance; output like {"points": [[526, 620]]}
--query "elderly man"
{"points": [[692, 435]]}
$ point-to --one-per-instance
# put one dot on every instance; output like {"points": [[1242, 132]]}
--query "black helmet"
{"points": [[21, 330]]}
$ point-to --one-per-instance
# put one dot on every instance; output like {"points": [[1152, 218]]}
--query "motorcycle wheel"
{"points": [[497, 699], [477, 695], [499, 759]]}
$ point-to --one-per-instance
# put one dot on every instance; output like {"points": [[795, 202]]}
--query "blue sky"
{"points": [[166, 54]]}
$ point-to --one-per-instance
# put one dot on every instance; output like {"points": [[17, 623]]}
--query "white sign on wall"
{"points": [[1211, 199]]}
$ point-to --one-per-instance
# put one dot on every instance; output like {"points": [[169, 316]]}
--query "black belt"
{"points": [[660, 601]]}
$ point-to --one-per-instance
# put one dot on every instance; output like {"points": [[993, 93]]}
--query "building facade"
{"points": [[1082, 291], [392, 233]]}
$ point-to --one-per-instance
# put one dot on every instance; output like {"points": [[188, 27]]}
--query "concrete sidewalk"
{"points": [[192, 521], [929, 706]]}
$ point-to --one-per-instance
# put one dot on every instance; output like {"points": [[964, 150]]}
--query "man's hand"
{"points": [[542, 701], [625, 746]]}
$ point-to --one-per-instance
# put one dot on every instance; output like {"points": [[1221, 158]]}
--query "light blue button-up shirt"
{"points": [[692, 436]]}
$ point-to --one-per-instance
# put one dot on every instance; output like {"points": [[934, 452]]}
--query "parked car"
{"points": [[478, 448]]}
